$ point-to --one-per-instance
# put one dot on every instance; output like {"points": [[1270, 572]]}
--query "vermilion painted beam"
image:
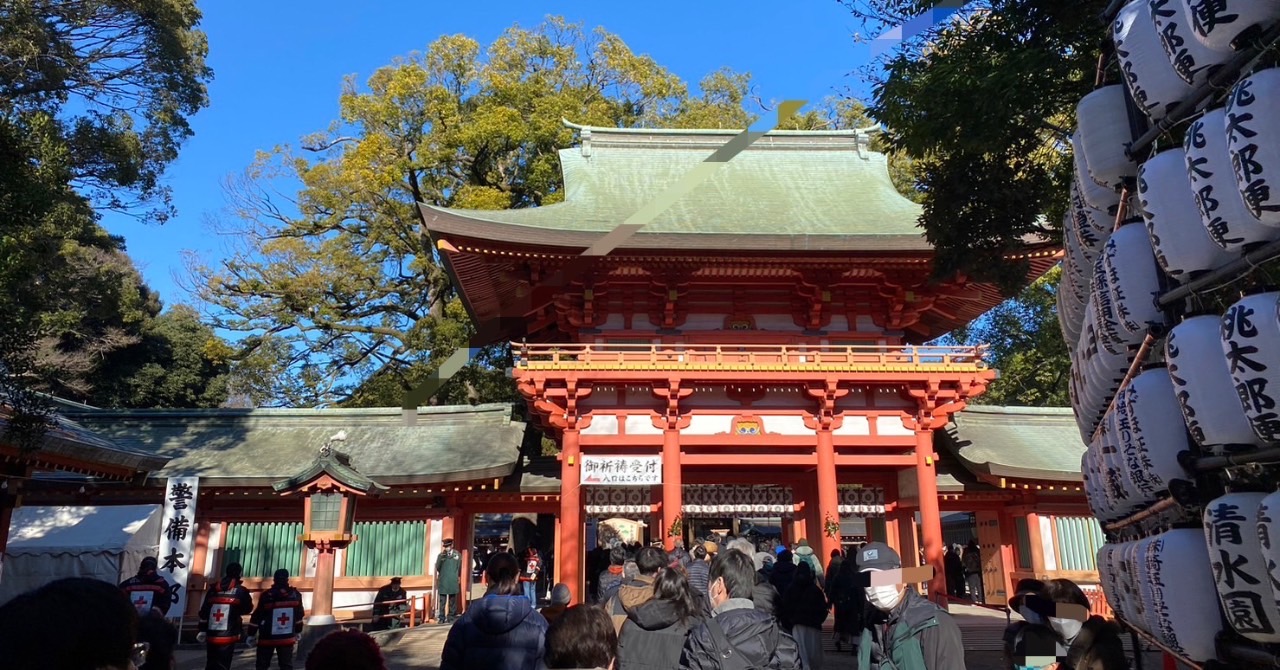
{"points": [[591, 442], [738, 459]]}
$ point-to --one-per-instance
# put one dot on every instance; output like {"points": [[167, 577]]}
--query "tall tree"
{"points": [[94, 101], [983, 100], [338, 285]]}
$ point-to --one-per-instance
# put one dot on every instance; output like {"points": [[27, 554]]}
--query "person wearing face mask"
{"points": [[738, 634], [915, 634], [1091, 644], [1018, 603]]}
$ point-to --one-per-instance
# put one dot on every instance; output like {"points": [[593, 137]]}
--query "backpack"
{"points": [[729, 656]]}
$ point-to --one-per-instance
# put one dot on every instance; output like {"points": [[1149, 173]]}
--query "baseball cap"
{"points": [[878, 556], [1025, 587]]}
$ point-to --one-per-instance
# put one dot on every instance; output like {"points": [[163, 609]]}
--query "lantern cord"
{"points": [[1152, 641], [1159, 507], [1268, 455], [1224, 274]]}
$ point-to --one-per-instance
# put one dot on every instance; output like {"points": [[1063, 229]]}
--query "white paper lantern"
{"points": [[1132, 575], [1134, 281], [1205, 390], [1252, 124], [1151, 433], [1268, 517], [1103, 135], [1182, 579], [1142, 557], [1094, 194], [1251, 345], [1107, 576], [1182, 244], [1231, 530], [1152, 81], [1122, 494], [1222, 211], [1191, 59], [1216, 23]]}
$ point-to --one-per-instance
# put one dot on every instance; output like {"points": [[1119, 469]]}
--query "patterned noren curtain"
{"points": [[731, 499], [617, 501], [858, 501]]}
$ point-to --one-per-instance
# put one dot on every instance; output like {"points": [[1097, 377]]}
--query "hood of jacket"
{"points": [[803, 550], [497, 615], [655, 615], [636, 592]]}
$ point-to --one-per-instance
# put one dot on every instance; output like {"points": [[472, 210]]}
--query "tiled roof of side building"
{"points": [[235, 447], [1040, 443], [819, 187], [67, 441]]}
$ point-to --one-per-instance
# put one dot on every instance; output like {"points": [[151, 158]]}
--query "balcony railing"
{"points": [[748, 357]]}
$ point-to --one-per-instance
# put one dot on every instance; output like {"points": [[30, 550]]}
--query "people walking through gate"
{"points": [[654, 633], [278, 619], [916, 634], [736, 626], [346, 650], [582, 639], [804, 554], [784, 570], [70, 624], [636, 592], [1092, 642], [531, 574], [698, 569], [972, 560], [764, 594], [448, 582], [560, 600], [849, 600], [804, 610], [833, 568], [611, 578], [388, 604], [147, 590], [221, 618], [955, 571], [500, 631]]}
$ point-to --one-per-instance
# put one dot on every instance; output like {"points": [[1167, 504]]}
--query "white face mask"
{"points": [[1030, 615], [884, 598], [1067, 628]]}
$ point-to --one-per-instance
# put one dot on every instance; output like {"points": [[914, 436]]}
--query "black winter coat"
{"points": [[653, 637], [783, 573], [765, 597], [754, 634], [496, 633], [803, 606], [278, 616], [226, 603]]}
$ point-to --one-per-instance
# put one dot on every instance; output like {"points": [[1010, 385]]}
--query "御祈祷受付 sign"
{"points": [[621, 470]]}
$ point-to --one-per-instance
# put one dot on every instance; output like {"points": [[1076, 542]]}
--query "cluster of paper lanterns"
{"points": [[1195, 208]]}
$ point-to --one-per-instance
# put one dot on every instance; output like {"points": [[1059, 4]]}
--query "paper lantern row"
{"points": [[1132, 461], [1161, 585], [1168, 47], [1238, 528]]}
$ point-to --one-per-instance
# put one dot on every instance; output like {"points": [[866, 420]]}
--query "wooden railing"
{"points": [[737, 357]]}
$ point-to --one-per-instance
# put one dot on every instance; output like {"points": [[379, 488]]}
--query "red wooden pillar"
{"points": [[828, 496], [672, 500], [569, 553], [930, 514], [463, 538]]}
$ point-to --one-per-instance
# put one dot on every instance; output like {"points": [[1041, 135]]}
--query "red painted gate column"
{"points": [[672, 500], [823, 422], [569, 553], [930, 514]]}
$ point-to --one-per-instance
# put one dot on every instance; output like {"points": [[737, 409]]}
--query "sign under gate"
{"points": [[621, 470]]}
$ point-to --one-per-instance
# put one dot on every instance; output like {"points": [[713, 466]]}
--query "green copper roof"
{"points": [[1017, 442], [335, 464], [786, 183], [262, 446]]}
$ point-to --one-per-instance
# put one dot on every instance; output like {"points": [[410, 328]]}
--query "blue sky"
{"points": [[279, 65]]}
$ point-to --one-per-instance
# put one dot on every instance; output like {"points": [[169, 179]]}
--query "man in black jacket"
{"points": [[221, 615], [913, 633], [737, 626], [279, 620], [148, 591]]}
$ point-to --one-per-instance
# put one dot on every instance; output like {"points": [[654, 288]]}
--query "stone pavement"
{"points": [[419, 648]]}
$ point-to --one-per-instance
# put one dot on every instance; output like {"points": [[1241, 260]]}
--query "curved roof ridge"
{"points": [[606, 130]]}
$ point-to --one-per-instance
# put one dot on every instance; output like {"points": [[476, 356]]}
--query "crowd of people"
{"points": [[734, 605]]}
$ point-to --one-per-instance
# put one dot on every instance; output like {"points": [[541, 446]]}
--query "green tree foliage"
{"points": [[337, 284], [1026, 346], [176, 361], [94, 101], [982, 101]]}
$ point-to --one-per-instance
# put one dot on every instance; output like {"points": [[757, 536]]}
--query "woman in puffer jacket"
{"points": [[654, 633], [500, 631]]}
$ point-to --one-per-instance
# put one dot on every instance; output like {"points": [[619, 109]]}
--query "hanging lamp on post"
{"points": [[329, 488]]}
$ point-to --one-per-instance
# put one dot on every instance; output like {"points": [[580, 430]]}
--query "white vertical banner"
{"points": [[178, 539]]}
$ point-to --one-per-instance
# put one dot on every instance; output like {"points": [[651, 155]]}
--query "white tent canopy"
{"points": [[50, 543]]}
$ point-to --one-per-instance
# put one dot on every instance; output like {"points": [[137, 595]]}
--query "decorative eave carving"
{"points": [[825, 416], [671, 418]]}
